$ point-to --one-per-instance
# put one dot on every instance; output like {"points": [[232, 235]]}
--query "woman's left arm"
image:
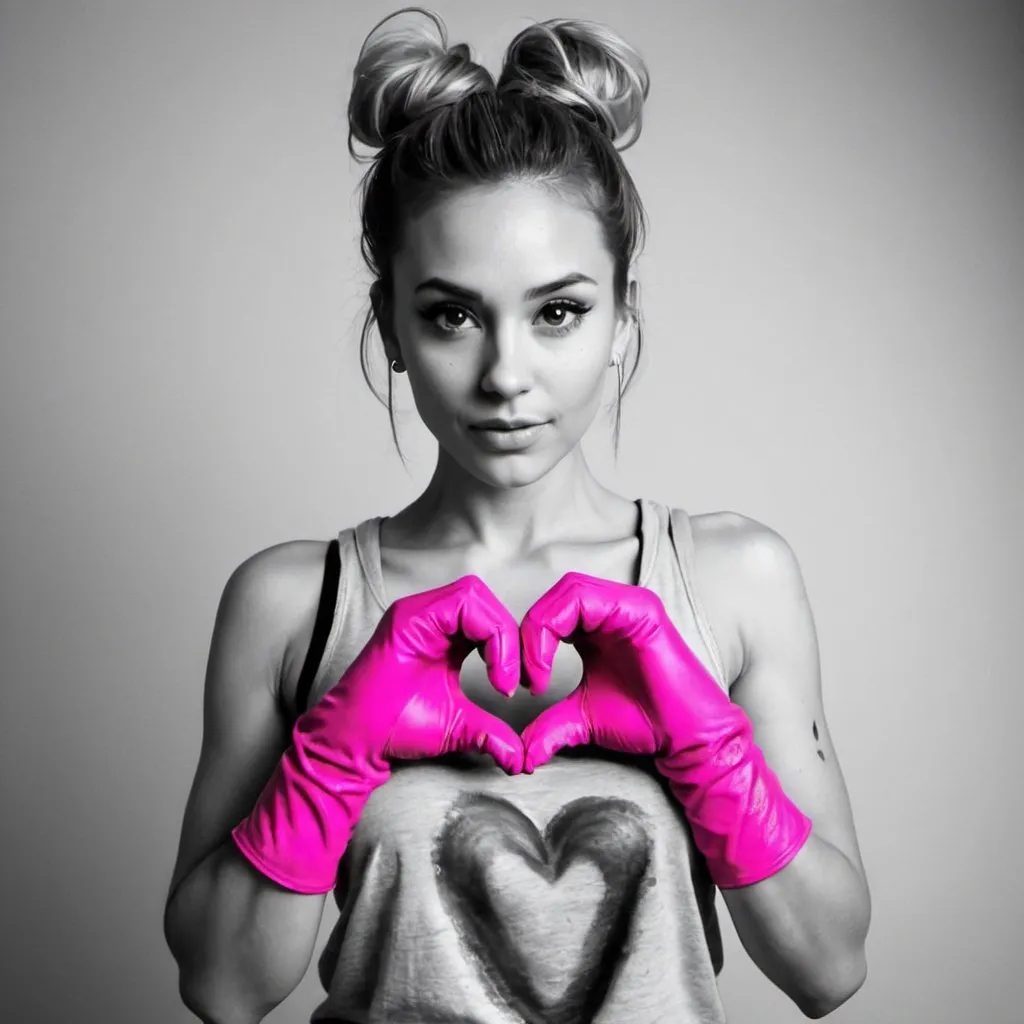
{"points": [[805, 926]]}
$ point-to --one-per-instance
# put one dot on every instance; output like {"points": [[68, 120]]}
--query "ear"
{"points": [[627, 321], [382, 312]]}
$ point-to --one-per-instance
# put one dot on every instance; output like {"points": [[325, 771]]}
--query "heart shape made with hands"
{"points": [[545, 915], [642, 691], [635, 669]]}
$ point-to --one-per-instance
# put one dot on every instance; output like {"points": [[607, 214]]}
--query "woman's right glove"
{"points": [[400, 698], [643, 691]]}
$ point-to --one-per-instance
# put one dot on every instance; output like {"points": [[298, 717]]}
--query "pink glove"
{"points": [[400, 698], [643, 691]]}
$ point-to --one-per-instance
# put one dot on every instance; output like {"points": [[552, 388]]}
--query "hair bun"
{"points": [[585, 65], [404, 72]]}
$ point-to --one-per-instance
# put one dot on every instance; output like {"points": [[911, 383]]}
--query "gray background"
{"points": [[832, 292]]}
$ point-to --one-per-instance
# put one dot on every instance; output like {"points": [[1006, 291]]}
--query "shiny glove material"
{"points": [[643, 691], [400, 698]]}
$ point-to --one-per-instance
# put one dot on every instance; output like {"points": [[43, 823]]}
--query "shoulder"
{"points": [[277, 591], [743, 545], [744, 569], [272, 579]]}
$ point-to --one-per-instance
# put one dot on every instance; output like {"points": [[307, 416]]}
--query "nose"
{"points": [[507, 371]]}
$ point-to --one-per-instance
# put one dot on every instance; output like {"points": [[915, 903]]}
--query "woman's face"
{"points": [[504, 314]]}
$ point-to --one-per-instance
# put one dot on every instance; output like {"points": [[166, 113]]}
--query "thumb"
{"points": [[474, 730], [564, 724]]}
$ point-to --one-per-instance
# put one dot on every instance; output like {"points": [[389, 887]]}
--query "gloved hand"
{"points": [[400, 698], [643, 691]]}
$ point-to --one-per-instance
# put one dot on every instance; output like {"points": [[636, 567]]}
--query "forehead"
{"points": [[503, 238]]}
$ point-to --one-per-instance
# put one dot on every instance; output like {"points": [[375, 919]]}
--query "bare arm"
{"points": [[242, 943], [805, 927]]}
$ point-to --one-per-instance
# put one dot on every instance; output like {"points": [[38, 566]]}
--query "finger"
{"points": [[476, 731], [564, 724], [468, 608], [486, 620], [575, 602]]}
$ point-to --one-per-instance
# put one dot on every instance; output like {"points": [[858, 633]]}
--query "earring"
{"points": [[397, 367]]}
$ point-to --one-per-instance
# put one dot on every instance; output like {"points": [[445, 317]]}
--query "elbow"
{"points": [[823, 1002], [196, 1001], [196, 1004], [212, 1006]]}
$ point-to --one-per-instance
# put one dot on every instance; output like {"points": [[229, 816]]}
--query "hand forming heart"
{"points": [[642, 687], [643, 691]]}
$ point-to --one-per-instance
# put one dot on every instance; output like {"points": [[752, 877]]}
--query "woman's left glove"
{"points": [[643, 691], [399, 699]]}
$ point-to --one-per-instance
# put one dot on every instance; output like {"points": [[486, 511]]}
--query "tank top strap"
{"points": [[366, 551], [681, 534], [348, 583], [651, 532], [321, 626]]}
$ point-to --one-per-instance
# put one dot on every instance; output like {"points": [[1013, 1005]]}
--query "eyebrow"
{"points": [[533, 293]]}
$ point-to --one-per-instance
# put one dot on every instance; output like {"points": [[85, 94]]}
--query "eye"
{"points": [[558, 309], [446, 318]]}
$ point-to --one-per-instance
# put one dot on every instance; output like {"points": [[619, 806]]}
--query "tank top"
{"points": [[465, 896]]}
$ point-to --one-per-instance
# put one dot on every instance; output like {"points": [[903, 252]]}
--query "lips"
{"points": [[507, 438], [513, 424]]}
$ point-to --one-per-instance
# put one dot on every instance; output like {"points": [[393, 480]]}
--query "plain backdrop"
{"points": [[833, 298]]}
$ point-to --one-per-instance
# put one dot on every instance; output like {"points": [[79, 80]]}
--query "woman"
{"points": [[543, 844]]}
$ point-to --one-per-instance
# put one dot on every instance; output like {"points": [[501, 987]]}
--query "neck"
{"points": [[458, 509]]}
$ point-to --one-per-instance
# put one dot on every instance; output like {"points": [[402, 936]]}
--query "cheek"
{"points": [[578, 371], [439, 384], [446, 373]]}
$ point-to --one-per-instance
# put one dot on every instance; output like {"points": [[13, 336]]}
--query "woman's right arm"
{"points": [[242, 943]]}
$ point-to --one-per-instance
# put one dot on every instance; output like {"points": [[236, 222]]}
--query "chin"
{"points": [[508, 473], [508, 470]]}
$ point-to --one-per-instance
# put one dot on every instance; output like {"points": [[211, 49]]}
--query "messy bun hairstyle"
{"points": [[569, 98]]}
